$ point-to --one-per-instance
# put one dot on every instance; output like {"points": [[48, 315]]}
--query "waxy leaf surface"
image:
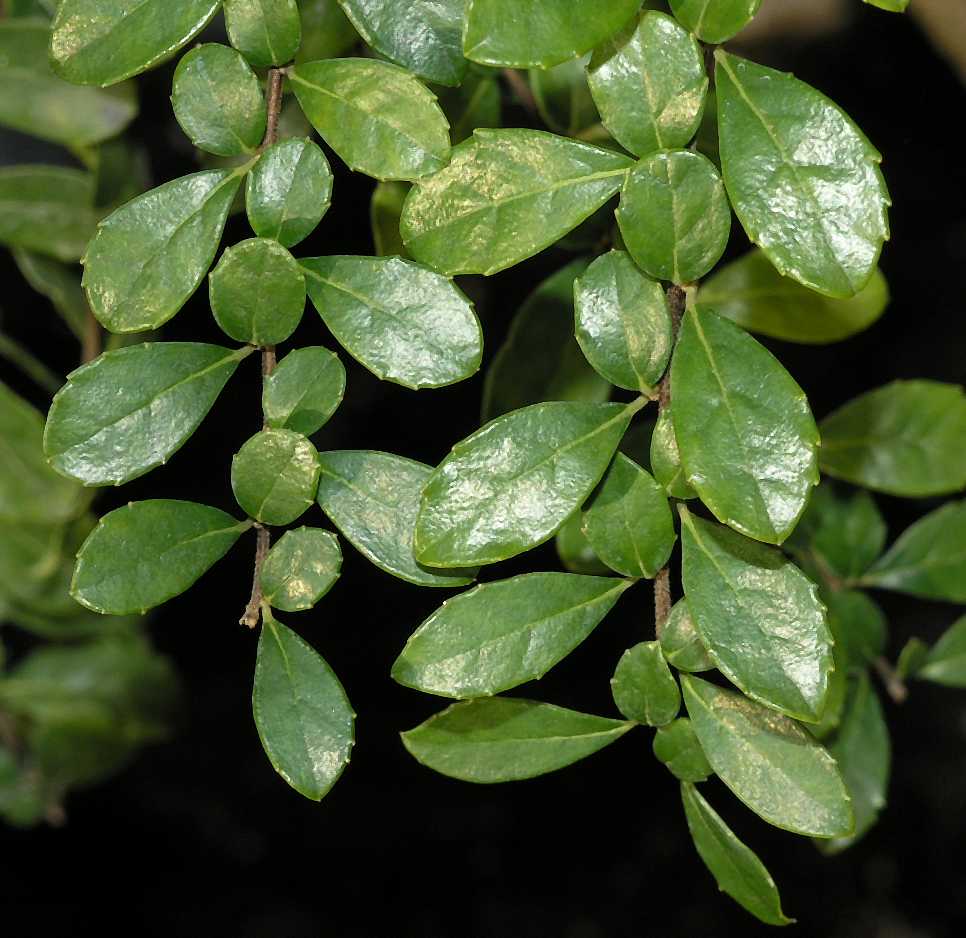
{"points": [[644, 688], [146, 553], [676, 746], [714, 21], [499, 739], [405, 323], [300, 569], [770, 762], [511, 485], [128, 411], [803, 179], [745, 433], [505, 196], [304, 390], [682, 643], [275, 476], [266, 32], [500, 635]]}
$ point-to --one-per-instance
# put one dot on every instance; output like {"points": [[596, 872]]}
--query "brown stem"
{"points": [[521, 89], [253, 610], [91, 345], [894, 685], [276, 78]]}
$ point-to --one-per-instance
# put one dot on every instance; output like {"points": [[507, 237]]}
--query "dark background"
{"points": [[200, 837]]}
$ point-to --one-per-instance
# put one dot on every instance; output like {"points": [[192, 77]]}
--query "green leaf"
{"points": [[746, 435], [928, 559], [858, 625], [405, 323], [622, 323], [891, 6], [257, 292], [674, 215], [30, 491], [803, 179], [275, 476], [378, 118], [838, 682], [770, 762], [644, 688], [903, 439], [676, 746], [304, 719], [498, 739], [60, 283], [218, 101], [266, 32], [563, 98], [500, 635], [911, 659], [574, 549], [150, 255], [946, 661], [750, 292], [424, 36], [628, 522], [862, 750], [22, 801], [35, 101], [650, 84], [714, 21], [326, 32], [47, 209], [538, 35], [385, 212], [512, 484], [373, 499], [101, 42], [129, 411], [505, 196], [666, 460], [540, 360], [289, 191], [304, 390], [681, 641], [477, 102], [300, 569], [759, 617], [146, 553], [736, 868]]}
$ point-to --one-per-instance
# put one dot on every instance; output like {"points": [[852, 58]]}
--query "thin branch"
{"points": [[276, 78], [253, 610], [521, 89], [29, 364], [894, 685], [92, 342]]}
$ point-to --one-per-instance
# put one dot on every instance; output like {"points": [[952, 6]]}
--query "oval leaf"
{"points": [[499, 635], [666, 459], [714, 21], [266, 32], [644, 688], [676, 746], [681, 642], [304, 390], [300, 569], [946, 661]]}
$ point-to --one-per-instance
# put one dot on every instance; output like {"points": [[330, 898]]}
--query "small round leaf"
{"points": [[266, 32], [274, 476], [304, 390], [300, 569]]}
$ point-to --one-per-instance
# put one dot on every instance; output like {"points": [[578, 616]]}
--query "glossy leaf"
{"points": [[48, 209], [405, 323], [424, 36], [304, 390], [759, 617], [649, 83], [498, 739], [304, 719], [266, 32], [30, 491], [36, 101], [373, 499], [676, 746], [101, 42], [750, 292], [289, 191], [218, 101], [378, 118], [770, 762], [803, 179], [148, 552], [674, 215], [575, 551], [746, 435], [511, 485], [257, 292], [862, 750], [300, 569], [500, 635], [928, 559], [505, 196], [130, 410], [858, 625], [150, 255], [622, 323], [563, 98], [644, 688], [275, 476], [714, 21], [540, 360], [666, 459], [736, 868], [538, 35], [946, 661], [903, 439], [628, 522], [681, 642]]}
